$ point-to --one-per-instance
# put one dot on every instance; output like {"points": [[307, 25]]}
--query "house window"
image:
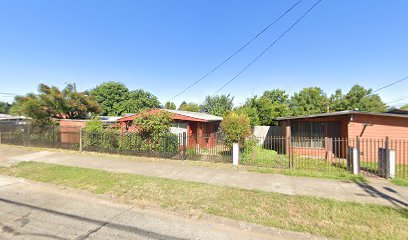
{"points": [[308, 134]]}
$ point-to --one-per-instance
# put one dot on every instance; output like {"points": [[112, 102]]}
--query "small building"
{"points": [[335, 132], [70, 127], [9, 122], [346, 124], [201, 128]]}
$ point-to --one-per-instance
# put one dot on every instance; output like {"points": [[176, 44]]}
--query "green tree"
{"points": [[272, 104], [136, 101], [109, 95], [191, 107], [4, 107], [309, 100], [337, 101], [170, 105], [218, 105], [364, 100], [236, 127], [251, 112], [52, 103], [404, 106]]}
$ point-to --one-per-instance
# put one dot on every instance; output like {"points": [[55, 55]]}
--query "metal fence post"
{"points": [[53, 136], [80, 139], [387, 157], [356, 157], [289, 150], [184, 146]]}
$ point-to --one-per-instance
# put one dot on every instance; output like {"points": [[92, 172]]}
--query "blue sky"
{"points": [[162, 46]]}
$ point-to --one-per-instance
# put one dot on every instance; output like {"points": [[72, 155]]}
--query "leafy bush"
{"points": [[150, 124], [168, 144], [236, 127], [153, 136], [94, 125], [96, 137]]}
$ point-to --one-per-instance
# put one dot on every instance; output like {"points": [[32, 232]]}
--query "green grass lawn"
{"points": [[268, 161], [330, 218], [400, 181]]}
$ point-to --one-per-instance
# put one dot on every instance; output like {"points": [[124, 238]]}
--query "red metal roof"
{"points": [[175, 116]]}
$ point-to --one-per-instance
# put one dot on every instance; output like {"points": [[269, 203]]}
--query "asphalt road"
{"points": [[40, 211]]}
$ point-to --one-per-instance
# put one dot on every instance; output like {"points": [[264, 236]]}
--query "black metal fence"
{"points": [[321, 155], [48, 137], [173, 146], [374, 157]]}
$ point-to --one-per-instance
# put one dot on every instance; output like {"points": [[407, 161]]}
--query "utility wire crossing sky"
{"points": [[164, 46]]}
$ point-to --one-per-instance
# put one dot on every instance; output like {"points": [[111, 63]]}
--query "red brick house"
{"points": [[346, 126], [201, 128]]}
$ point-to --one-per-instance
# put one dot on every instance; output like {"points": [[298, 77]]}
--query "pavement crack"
{"points": [[90, 232], [24, 220]]}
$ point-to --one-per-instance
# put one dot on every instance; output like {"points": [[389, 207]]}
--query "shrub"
{"points": [[96, 137], [150, 124], [235, 127], [168, 144]]}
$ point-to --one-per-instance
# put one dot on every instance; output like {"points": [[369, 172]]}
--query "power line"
{"points": [[389, 85], [239, 50], [401, 99], [11, 94], [266, 49]]}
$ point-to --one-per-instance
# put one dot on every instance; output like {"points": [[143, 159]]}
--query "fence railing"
{"points": [[379, 157], [48, 137]]}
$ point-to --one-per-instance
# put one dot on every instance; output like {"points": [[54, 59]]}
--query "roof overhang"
{"points": [[348, 112], [175, 115]]}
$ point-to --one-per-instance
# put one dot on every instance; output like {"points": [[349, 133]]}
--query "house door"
{"points": [[338, 147], [333, 129]]}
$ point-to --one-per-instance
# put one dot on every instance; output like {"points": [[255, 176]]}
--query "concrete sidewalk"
{"points": [[378, 191]]}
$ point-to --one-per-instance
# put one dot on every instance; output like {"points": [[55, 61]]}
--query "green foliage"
{"points": [[218, 105], [153, 135], [95, 136], [108, 94], [264, 109], [309, 100], [272, 104], [357, 98], [251, 112], [137, 101], [261, 157], [404, 106], [116, 99], [235, 127], [168, 143], [94, 125], [4, 107], [99, 140], [191, 107], [52, 103], [338, 102], [170, 105], [151, 124]]}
